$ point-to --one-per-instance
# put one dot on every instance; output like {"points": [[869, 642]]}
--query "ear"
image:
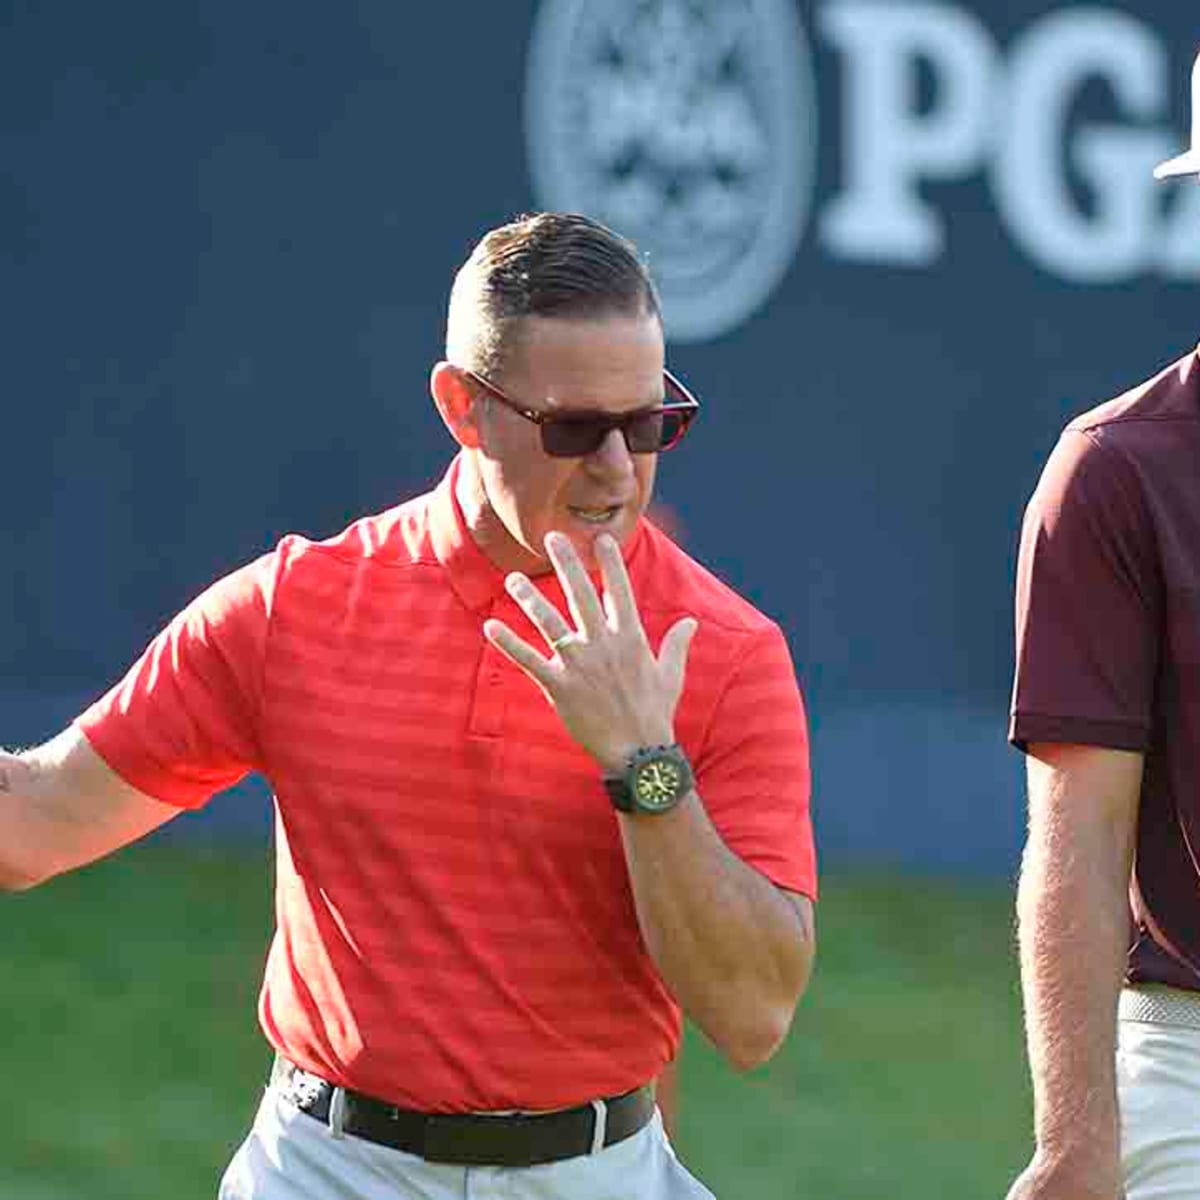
{"points": [[457, 403]]}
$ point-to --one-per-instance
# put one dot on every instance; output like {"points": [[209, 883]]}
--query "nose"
{"points": [[612, 457]]}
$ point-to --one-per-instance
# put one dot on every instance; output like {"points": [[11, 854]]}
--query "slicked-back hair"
{"points": [[542, 265]]}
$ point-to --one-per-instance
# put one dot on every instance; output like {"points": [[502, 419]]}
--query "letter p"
{"points": [[891, 144]]}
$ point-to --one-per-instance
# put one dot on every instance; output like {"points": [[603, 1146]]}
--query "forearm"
{"points": [[1073, 939], [16, 790], [61, 806], [733, 949], [1074, 929]]}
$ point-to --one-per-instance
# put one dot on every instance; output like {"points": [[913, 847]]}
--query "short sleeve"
{"points": [[753, 773], [1088, 598], [182, 724]]}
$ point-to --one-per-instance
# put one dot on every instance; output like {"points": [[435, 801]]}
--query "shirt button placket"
{"points": [[487, 710]]}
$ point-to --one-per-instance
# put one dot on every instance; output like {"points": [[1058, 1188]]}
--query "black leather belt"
{"points": [[467, 1139]]}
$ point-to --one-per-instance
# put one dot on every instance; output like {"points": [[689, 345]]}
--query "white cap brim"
{"points": [[1182, 164]]}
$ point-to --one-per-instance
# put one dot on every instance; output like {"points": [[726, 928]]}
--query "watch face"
{"points": [[658, 783]]}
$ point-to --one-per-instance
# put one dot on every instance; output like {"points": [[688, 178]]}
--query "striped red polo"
{"points": [[455, 925]]}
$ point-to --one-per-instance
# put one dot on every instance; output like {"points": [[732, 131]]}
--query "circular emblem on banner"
{"points": [[687, 125]]}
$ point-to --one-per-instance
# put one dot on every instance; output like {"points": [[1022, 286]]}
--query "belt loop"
{"points": [[600, 1108], [337, 1113]]}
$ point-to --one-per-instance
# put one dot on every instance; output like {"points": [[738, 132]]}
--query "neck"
{"points": [[487, 530]]}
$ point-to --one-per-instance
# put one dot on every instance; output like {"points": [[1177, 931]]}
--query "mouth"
{"points": [[598, 515]]}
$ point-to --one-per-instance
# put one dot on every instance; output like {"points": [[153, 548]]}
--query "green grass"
{"points": [[133, 1061], [904, 1073]]}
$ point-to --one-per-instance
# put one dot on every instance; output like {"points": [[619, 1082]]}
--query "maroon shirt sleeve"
{"points": [[1088, 599]]}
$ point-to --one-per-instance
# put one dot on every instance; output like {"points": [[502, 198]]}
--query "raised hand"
{"points": [[603, 679]]}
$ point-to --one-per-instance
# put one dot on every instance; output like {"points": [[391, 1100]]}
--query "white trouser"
{"points": [[1158, 1088], [291, 1156]]}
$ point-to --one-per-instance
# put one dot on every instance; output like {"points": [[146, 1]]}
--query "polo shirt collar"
{"points": [[476, 580]]}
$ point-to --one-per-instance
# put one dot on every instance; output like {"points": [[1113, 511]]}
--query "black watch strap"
{"points": [[619, 793]]}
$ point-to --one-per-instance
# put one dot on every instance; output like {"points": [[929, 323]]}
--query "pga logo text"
{"points": [[692, 126]]}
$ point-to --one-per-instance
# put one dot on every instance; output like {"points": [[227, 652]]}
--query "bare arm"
{"points": [[735, 950], [62, 806], [1074, 929]]}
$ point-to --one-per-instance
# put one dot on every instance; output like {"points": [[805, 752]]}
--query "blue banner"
{"points": [[898, 245]]}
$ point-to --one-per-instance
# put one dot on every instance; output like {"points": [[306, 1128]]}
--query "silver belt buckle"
{"points": [[600, 1126], [337, 1113]]}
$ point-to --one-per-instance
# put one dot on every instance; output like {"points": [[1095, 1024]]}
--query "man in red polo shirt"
{"points": [[541, 780]]}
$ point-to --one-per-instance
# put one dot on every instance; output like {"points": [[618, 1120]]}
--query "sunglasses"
{"points": [[574, 435]]}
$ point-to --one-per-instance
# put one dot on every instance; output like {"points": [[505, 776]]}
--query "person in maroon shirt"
{"points": [[1106, 706]]}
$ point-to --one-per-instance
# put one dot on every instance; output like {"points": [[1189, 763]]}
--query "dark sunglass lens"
{"points": [[644, 433], [573, 439]]}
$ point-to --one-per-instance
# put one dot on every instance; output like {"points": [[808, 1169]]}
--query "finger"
{"points": [[673, 653], [577, 587], [549, 622], [519, 652], [619, 600]]}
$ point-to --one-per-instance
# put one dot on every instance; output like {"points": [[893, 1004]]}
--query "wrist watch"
{"points": [[653, 780]]}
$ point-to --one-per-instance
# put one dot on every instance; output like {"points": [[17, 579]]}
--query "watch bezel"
{"points": [[623, 788]]}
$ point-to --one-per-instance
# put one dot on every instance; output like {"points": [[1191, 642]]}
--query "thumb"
{"points": [[673, 653]]}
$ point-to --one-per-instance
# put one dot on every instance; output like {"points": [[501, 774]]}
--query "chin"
{"points": [[582, 538], [584, 541]]}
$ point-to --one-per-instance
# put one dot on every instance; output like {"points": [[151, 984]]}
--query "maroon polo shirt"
{"points": [[1108, 635]]}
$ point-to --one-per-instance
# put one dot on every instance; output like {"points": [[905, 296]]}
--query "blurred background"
{"points": [[898, 245]]}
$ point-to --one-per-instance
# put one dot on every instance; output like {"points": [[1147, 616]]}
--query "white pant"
{"points": [[1158, 1088], [290, 1156]]}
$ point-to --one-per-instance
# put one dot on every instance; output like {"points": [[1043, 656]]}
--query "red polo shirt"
{"points": [[455, 925]]}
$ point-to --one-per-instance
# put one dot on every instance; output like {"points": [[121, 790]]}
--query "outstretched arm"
{"points": [[62, 806]]}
